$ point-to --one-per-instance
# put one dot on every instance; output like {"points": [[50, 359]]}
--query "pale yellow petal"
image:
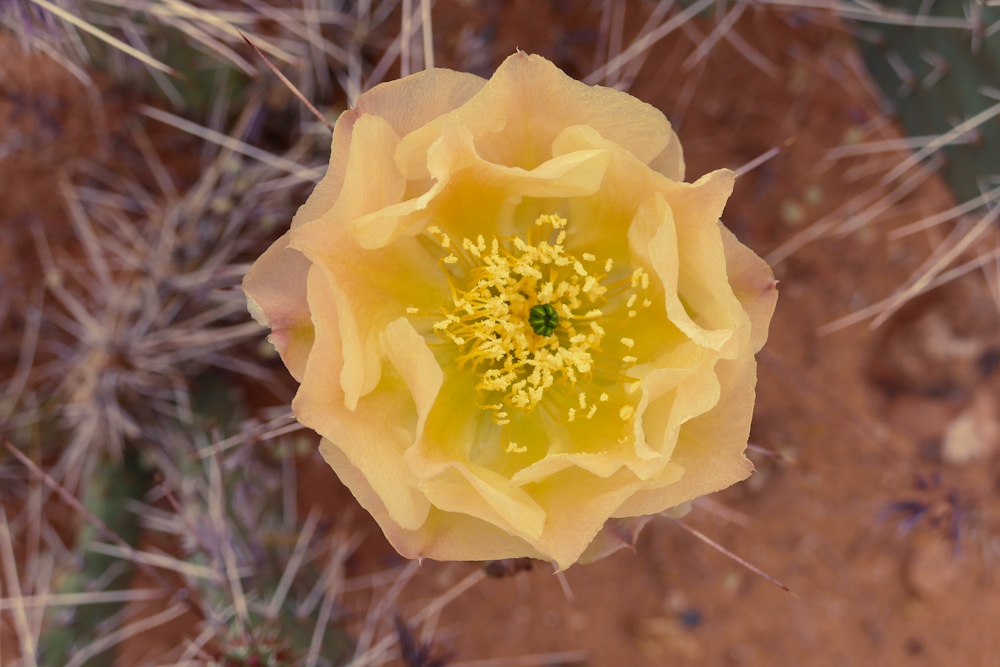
{"points": [[373, 288], [409, 354], [710, 448], [577, 504], [471, 196], [443, 536], [405, 105], [275, 288], [670, 162], [443, 462], [681, 388], [528, 102], [377, 432], [485, 495], [753, 284]]}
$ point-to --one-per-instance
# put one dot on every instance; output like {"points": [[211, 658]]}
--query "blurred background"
{"points": [[160, 506]]}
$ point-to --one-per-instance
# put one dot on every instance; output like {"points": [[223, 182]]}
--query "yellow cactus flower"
{"points": [[512, 321]]}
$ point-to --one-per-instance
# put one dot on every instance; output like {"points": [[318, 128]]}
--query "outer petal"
{"points": [[443, 536], [710, 447], [405, 105], [754, 285], [528, 102], [374, 435], [577, 505], [275, 288], [670, 162]]}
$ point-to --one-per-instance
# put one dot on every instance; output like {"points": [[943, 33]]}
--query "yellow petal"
{"points": [[753, 284], [577, 504], [413, 360], [443, 536], [672, 397], [529, 101], [710, 448], [485, 495], [670, 162], [275, 287], [376, 433], [469, 191], [405, 105], [373, 287]]}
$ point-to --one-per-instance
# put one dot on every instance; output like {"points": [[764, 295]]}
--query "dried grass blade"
{"points": [[921, 282], [9, 564], [105, 37], [93, 597], [105, 642], [294, 563], [233, 144]]}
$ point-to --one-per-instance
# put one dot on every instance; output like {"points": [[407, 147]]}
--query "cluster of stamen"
{"points": [[527, 316]]}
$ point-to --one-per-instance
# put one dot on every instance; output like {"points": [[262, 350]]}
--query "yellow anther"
{"points": [[604, 397], [626, 412], [588, 257], [411, 310], [628, 342]]}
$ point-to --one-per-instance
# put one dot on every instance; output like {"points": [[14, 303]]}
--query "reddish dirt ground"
{"points": [[857, 417]]}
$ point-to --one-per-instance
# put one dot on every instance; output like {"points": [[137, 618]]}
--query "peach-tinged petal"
{"points": [[528, 101], [670, 162], [455, 165], [710, 448], [577, 505], [753, 284], [443, 536], [275, 288], [372, 180], [373, 288], [485, 495], [408, 352], [410, 103], [377, 432], [405, 105], [673, 396]]}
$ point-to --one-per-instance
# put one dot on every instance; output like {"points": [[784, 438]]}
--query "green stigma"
{"points": [[543, 319]]}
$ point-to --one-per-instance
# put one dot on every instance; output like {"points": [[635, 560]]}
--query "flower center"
{"points": [[527, 317]]}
